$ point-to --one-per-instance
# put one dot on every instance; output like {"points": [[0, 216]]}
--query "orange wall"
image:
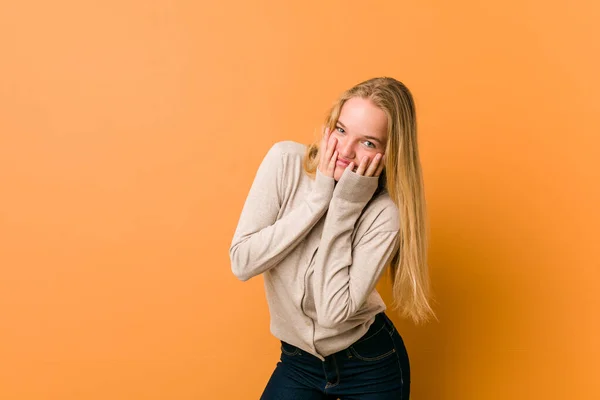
{"points": [[130, 132]]}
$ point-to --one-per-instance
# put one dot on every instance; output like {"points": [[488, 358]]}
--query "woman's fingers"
{"points": [[362, 167], [331, 145], [374, 165], [332, 161], [328, 153], [330, 148], [370, 167]]}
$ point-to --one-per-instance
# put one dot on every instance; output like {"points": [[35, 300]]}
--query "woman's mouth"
{"points": [[342, 163]]}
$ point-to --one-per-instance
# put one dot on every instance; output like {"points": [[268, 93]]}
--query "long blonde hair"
{"points": [[403, 180]]}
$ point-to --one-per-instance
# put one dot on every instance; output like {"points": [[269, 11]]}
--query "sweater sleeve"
{"points": [[261, 240], [344, 276]]}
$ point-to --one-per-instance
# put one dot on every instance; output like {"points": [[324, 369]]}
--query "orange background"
{"points": [[130, 132]]}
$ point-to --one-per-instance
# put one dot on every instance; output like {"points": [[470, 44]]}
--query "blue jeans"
{"points": [[375, 367]]}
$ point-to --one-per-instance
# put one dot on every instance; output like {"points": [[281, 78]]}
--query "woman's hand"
{"points": [[366, 168], [329, 155]]}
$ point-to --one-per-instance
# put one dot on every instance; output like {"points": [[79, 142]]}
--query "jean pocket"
{"points": [[375, 346], [289, 350]]}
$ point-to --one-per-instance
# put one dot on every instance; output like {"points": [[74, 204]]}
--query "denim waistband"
{"points": [[381, 320]]}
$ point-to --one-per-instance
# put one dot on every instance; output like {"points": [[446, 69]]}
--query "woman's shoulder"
{"points": [[288, 147], [285, 154]]}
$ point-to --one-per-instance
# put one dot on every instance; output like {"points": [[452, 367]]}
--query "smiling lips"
{"points": [[342, 163]]}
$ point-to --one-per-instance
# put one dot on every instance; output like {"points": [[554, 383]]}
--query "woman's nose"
{"points": [[346, 149]]}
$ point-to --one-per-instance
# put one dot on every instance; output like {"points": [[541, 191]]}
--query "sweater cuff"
{"points": [[324, 185], [356, 188]]}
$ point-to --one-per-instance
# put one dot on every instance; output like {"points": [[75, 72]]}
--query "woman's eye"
{"points": [[340, 130], [370, 144]]}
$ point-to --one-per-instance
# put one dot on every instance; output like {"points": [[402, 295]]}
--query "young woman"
{"points": [[321, 223]]}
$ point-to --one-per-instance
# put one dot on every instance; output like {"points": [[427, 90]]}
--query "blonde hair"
{"points": [[403, 180]]}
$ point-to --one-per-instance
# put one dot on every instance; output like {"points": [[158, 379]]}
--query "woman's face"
{"points": [[361, 131]]}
